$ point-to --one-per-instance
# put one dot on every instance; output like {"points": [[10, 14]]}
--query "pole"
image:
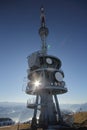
{"points": [[34, 120], [58, 109]]}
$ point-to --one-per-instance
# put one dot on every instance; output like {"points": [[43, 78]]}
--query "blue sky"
{"points": [[19, 24]]}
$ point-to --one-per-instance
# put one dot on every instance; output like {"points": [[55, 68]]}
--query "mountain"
{"points": [[18, 112], [74, 107]]}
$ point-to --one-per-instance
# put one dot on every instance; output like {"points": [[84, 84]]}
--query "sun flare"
{"points": [[37, 83]]}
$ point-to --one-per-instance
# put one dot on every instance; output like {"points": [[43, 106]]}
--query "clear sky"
{"points": [[19, 24]]}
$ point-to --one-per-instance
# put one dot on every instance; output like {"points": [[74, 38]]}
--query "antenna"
{"points": [[43, 31], [45, 80]]}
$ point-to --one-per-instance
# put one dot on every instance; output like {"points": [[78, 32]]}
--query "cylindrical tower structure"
{"points": [[45, 81]]}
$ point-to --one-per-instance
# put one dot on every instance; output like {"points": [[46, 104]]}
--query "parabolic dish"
{"points": [[49, 60], [59, 76]]}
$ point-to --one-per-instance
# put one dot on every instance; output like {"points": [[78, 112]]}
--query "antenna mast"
{"points": [[43, 32], [45, 80]]}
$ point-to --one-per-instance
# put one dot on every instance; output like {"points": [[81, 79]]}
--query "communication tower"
{"points": [[45, 80]]}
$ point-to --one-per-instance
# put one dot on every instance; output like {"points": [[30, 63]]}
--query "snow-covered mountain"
{"points": [[16, 111], [74, 107], [19, 113]]}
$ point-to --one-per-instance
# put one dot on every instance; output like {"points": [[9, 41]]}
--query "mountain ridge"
{"points": [[72, 107], [19, 111]]}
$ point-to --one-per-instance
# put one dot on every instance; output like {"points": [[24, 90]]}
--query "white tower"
{"points": [[46, 82]]}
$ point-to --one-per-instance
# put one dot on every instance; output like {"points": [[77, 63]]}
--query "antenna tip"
{"points": [[42, 8]]}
